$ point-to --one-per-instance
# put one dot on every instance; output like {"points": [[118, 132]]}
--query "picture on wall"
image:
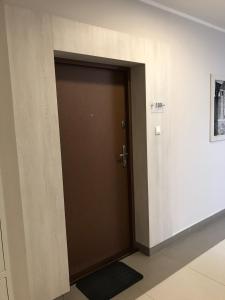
{"points": [[217, 108]]}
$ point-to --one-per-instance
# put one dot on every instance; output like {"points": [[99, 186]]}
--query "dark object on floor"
{"points": [[108, 282]]}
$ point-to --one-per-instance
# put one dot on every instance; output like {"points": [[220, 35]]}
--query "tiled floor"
{"points": [[202, 279], [197, 279]]}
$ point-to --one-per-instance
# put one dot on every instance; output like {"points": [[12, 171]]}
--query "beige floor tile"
{"points": [[221, 244], [155, 269], [145, 297], [211, 263], [131, 293], [188, 248], [74, 294], [188, 285], [160, 266]]}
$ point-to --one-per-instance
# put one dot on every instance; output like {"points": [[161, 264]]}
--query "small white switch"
{"points": [[157, 130]]}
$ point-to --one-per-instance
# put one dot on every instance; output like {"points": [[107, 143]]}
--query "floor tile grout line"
{"points": [[205, 275], [175, 260], [181, 265], [180, 260], [194, 271], [187, 266], [150, 297]]}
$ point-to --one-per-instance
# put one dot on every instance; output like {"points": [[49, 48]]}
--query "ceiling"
{"points": [[208, 11]]}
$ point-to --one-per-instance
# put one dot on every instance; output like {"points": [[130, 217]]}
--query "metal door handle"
{"points": [[123, 156]]}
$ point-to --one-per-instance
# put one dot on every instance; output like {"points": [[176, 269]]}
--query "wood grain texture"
{"points": [[38, 147], [82, 41], [10, 201], [74, 40], [2, 263], [3, 290], [35, 205], [139, 132], [78, 38], [5, 270]]}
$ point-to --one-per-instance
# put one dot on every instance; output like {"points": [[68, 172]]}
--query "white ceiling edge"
{"points": [[183, 15]]}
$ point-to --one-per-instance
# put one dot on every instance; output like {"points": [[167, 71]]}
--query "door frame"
{"points": [[138, 96], [129, 137]]}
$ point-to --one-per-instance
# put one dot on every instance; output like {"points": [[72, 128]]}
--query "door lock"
{"points": [[123, 156]]}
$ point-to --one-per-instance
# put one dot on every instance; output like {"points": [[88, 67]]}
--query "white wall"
{"points": [[187, 171]]}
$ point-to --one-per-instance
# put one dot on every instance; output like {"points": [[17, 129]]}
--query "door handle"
{"points": [[123, 156]]}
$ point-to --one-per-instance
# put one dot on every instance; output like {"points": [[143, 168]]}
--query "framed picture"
{"points": [[217, 108]]}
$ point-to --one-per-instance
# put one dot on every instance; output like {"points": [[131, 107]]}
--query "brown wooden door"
{"points": [[92, 107]]}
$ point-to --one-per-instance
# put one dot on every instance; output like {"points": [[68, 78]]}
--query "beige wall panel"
{"points": [[5, 262], [75, 37], [177, 74], [3, 290], [138, 91], [2, 263], [10, 201], [38, 147], [32, 39]]}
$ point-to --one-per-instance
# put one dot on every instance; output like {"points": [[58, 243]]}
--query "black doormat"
{"points": [[108, 282]]}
